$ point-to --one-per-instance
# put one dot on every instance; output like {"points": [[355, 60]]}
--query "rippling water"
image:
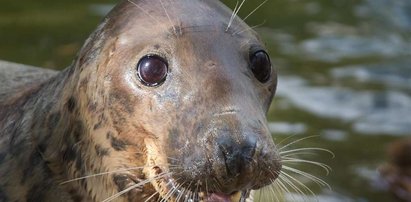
{"points": [[345, 75], [344, 68]]}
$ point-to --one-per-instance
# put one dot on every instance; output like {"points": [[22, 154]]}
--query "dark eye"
{"points": [[152, 70], [260, 66]]}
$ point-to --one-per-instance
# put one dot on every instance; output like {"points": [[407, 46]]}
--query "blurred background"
{"points": [[344, 74]]}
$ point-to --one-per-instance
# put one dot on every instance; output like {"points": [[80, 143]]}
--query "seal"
{"points": [[397, 171], [166, 100]]}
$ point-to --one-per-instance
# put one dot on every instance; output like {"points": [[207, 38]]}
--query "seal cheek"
{"points": [[116, 143]]}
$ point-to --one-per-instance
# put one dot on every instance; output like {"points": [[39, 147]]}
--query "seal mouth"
{"points": [[170, 190], [221, 197]]}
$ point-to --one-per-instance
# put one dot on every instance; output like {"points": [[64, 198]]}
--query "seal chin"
{"points": [[221, 197], [233, 197], [174, 192], [170, 190]]}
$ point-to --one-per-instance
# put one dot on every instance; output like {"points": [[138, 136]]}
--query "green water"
{"points": [[323, 43]]}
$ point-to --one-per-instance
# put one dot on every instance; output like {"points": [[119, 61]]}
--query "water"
{"points": [[344, 68]]}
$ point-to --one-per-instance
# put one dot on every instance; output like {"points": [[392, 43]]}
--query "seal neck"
{"points": [[52, 129]]}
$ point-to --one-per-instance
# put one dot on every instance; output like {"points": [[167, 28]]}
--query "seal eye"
{"points": [[152, 70], [261, 66]]}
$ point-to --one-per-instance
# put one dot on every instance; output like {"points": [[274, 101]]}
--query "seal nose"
{"points": [[238, 157]]}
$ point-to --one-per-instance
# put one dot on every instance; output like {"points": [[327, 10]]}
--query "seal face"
{"points": [[166, 100]]}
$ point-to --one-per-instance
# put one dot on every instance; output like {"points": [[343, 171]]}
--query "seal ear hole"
{"points": [[152, 70], [260, 65]]}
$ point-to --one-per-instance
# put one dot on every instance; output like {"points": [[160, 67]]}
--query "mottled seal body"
{"points": [[166, 100]]}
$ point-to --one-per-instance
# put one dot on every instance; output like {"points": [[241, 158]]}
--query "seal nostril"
{"points": [[237, 157], [248, 153], [230, 154], [225, 153], [249, 148]]}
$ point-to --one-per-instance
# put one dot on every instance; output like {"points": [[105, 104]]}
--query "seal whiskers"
{"points": [[171, 192], [249, 28], [287, 178], [253, 11], [110, 172], [169, 19], [234, 14], [144, 11], [277, 190], [148, 14], [159, 176]]}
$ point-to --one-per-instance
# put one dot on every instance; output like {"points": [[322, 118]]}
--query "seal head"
{"points": [[187, 93]]}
